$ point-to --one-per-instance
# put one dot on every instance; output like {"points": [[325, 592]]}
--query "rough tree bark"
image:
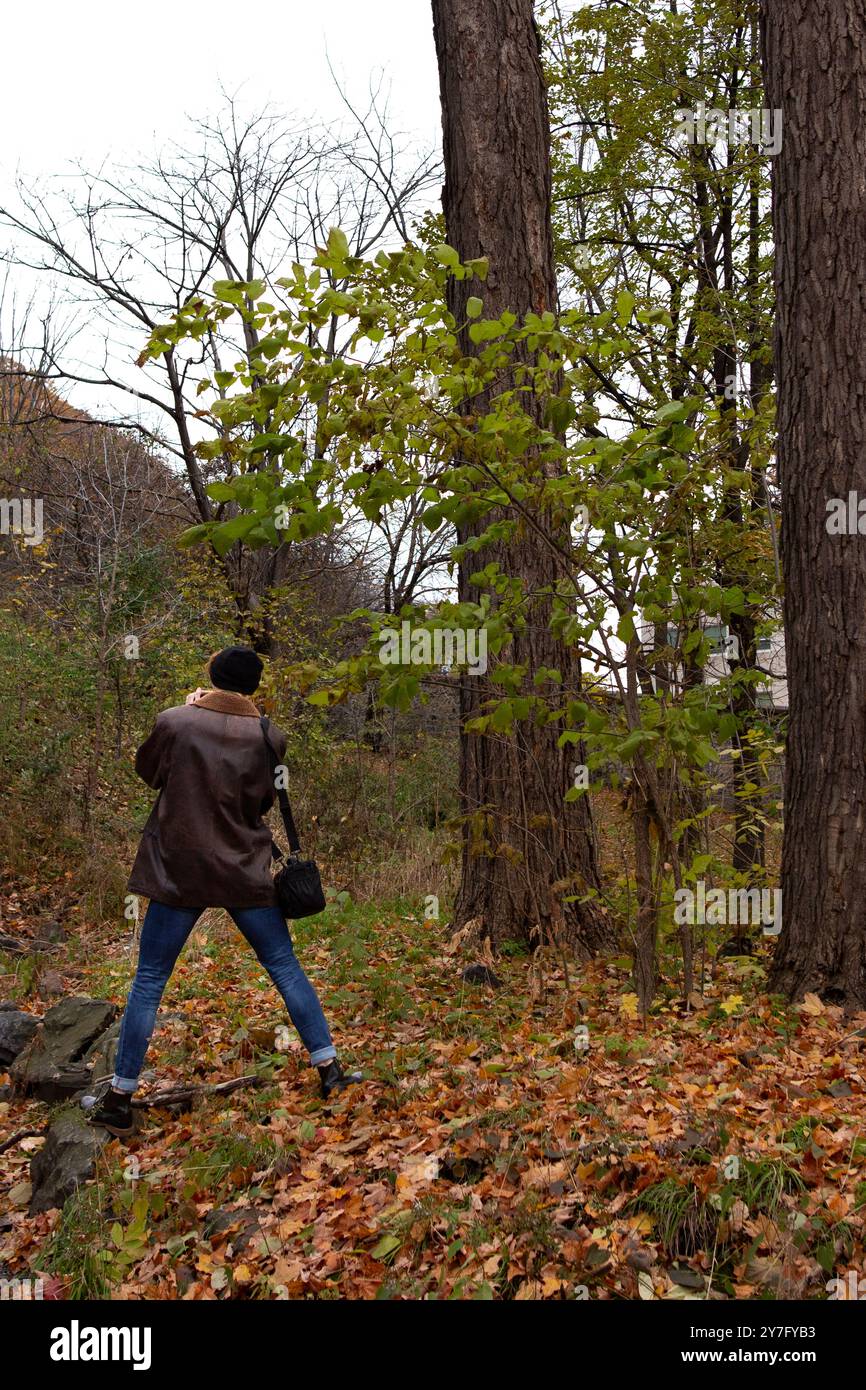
{"points": [[814, 57], [524, 849]]}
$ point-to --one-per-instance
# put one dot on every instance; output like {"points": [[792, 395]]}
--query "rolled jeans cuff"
{"points": [[125, 1084], [322, 1055]]}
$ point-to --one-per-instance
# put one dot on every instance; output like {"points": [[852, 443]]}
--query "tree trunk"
{"points": [[814, 57], [525, 850]]}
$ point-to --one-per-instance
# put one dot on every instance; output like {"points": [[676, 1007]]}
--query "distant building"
{"points": [[771, 659]]}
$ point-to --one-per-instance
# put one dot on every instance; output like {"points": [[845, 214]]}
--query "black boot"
{"points": [[114, 1113], [334, 1079]]}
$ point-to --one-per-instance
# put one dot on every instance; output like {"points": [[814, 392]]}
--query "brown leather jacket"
{"points": [[205, 843]]}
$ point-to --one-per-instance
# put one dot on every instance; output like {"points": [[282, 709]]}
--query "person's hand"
{"points": [[191, 699]]}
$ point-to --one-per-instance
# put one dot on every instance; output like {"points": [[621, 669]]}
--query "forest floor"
{"points": [[533, 1141]]}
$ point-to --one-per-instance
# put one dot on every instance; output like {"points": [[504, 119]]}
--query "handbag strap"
{"points": [[282, 796]]}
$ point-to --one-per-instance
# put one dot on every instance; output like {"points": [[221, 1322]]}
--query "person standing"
{"points": [[205, 845]]}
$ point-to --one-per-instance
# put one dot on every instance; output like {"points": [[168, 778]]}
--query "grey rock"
{"points": [[52, 1065], [49, 934], [687, 1278], [65, 1160], [242, 1225], [16, 1030], [99, 1057], [481, 975], [641, 1259]]}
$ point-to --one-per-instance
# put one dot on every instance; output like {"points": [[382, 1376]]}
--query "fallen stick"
{"points": [[184, 1093], [22, 1134]]}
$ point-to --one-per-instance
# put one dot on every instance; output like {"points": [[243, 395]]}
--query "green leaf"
{"points": [[699, 865], [568, 736], [193, 534], [338, 244], [502, 719], [673, 410], [624, 306], [225, 536], [229, 291], [446, 255], [474, 306], [633, 743], [733, 601], [487, 329], [276, 442], [559, 413], [220, 492], [386, 1246]]}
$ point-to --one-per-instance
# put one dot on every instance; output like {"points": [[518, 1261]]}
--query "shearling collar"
{"points": [[227, 702]]}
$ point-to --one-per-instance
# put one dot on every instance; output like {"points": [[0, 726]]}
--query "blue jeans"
{"points": [[163, 937]]}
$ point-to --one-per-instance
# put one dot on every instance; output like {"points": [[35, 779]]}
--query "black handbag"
{"points": [[298, 882]]}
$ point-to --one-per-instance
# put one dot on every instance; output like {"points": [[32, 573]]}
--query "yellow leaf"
{"points": [[731, 1004], [551, 1285], [419, 1169], [812, 1005], [291, 1226], [628, 1005], [527, 1292], [643, 1223]]}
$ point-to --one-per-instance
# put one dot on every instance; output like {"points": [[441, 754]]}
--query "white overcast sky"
{"points": [[105, 80], [103, 77]]}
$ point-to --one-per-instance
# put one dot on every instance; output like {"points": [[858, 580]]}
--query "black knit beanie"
{"points": [[236, 668]]}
